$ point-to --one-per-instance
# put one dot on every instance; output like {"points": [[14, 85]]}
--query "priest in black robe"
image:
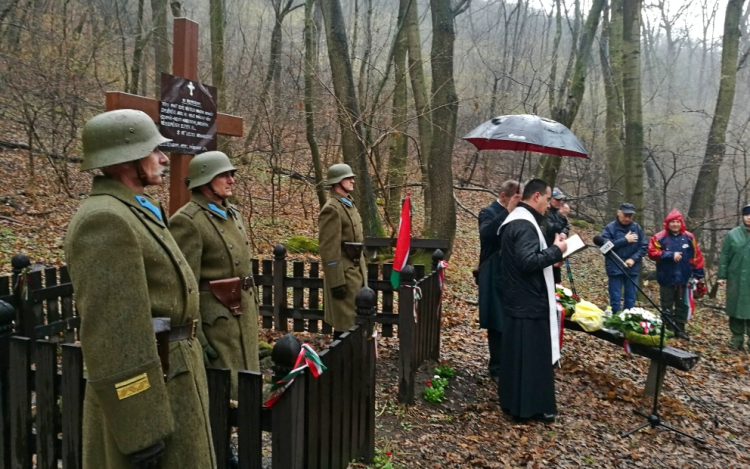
{"points": [[490, 310], [530, 338]]}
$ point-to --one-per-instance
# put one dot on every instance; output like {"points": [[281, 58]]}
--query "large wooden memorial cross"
{"points": [[184, 64]]}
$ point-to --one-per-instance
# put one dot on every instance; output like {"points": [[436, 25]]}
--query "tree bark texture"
{"points": [[311, 58], [704, 193], [631, 84], [444, 110], [216, 13], [611, 57], [421, 102], [549, 165], [140, 42], [162, 60], [352, 134], [399, 145]]}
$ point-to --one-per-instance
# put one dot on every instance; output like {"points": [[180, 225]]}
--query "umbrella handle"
{"points": [[520, 176]]}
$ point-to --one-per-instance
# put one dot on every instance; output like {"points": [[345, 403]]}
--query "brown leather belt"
{"points": [[247, 283], [183, 331]]}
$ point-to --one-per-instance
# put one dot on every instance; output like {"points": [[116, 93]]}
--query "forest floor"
{"points": [[598, 386]]}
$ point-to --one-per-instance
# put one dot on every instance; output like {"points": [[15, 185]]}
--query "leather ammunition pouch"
{"points": [[166, 333], [229, 291], [353, 250]]}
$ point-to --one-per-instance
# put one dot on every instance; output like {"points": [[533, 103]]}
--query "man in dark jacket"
{"points": [[677, 257], [630, 245], [530, 342], [556, 224], [490, 314]]}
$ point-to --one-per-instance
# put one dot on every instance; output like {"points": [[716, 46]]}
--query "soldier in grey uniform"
{"points": [[146, 404], [212, 236], [341, 244]]}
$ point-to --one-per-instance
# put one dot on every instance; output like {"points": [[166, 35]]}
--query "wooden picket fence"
{"points": [[45, 318], [317, 423]]}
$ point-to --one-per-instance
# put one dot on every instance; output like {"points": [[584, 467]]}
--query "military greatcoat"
{"points": [[126, 268], [214, 240], [339, 222]]}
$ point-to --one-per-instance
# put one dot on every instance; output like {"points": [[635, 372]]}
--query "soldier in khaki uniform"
{"points": [[340, 239], [142, 410], [212, 235]]}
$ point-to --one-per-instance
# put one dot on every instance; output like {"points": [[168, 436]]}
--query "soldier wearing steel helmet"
{"points": [[341, 250], [141, 410], [211, 233]]}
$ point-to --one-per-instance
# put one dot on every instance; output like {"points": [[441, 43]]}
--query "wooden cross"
{"points": [[184, 64]]}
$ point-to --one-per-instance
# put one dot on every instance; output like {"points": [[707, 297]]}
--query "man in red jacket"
{"points": [[677, 258]]}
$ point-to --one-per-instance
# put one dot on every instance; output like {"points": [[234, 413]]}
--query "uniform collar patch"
{"points": [[218, 211], [145, 203], [346, 201]]}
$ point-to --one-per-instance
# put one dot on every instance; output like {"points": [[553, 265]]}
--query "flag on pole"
{"points": [[403, 242]]}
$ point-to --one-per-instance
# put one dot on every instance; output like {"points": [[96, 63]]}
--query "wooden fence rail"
{"points": [[317, 423]]}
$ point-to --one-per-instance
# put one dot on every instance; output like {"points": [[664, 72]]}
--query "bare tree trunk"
{"points": [[421, 102], [216, 13], [311, 58], [555, 49], [611, 58], [365, 66], [444, 111], [140, 42], [162, 60], [399, 126], [352, 134], [549, 165], [631, 83], [704, 193]]}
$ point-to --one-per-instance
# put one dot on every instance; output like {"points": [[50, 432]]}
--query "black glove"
{"points": [[209, 354], [148, 458], [339, 292]]}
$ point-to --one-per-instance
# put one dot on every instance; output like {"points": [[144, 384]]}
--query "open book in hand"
{"points": [[575, 244]]}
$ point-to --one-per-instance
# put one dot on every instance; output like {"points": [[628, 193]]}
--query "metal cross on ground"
{"points": [[184, 64]]}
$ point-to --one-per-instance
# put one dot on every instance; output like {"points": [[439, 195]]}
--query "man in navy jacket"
{"points": [[630, 245]]}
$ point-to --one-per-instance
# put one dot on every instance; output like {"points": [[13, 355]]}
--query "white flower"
{"points": [[622, 316], [567, 291], [436, 377]]}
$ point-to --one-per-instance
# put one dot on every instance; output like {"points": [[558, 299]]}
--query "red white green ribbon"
{"points": [[307, 358], [626, 346], [442, 265]]}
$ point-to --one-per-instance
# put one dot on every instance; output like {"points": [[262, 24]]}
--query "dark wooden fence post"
{"points": [[20, 402], [46, 404], [279, 290], [249, 431], [219, 386], [24, 316], [7, 316], [72, 392], [406, 336], [437, 256], [288, 415], [366, 303]]}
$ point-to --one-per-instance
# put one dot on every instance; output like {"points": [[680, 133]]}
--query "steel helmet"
{"points": [[117, 137], [206, 166], [338, 173]]}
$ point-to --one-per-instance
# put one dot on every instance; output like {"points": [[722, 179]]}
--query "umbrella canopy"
{"points": [[526, 132]]}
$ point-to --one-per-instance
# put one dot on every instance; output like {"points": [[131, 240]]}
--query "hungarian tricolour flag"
{"points": [[403, 242]]}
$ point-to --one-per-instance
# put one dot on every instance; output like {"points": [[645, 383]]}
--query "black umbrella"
{"points": [[526, 132]]}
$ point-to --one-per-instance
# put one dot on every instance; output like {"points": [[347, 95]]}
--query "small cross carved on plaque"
{"points": [[184, 64], [191, 87]]}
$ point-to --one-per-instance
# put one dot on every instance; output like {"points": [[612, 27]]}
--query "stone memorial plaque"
{"points": [[187, 115]]}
